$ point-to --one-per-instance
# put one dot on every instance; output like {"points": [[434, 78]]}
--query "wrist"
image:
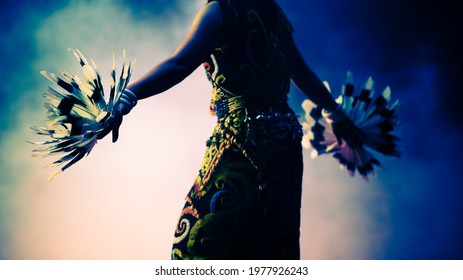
{"points": [[130, 96], [336, 114], [127, 100]]}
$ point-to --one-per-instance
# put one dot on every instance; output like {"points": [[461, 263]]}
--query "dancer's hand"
{"points": [[123, 106], [345, 129]]}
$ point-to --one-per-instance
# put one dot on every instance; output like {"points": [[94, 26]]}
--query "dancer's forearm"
{"points": [[202, 38], [307, 81], [162, 77]]}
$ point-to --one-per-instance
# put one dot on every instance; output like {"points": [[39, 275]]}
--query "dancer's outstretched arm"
{"points": [[203, 36], [307, 81], [195, 48]]}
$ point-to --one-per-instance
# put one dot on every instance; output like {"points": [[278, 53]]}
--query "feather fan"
{"points": [[375, 117], [76, 111]]}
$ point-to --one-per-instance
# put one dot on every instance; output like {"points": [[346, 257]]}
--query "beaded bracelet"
{"points": [[130, 99]]}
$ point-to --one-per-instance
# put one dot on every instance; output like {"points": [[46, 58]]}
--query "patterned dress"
{"points": [[245, 202]]}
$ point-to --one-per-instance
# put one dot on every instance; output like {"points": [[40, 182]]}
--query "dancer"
{"points": [[245, 202]]}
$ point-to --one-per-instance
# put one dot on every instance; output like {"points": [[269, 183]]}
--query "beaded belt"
{"points": [[266, 122], [276, 125], [224, 107]]}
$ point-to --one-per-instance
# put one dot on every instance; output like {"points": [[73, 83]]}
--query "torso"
{"points": [[250, 74], [254, 58]]}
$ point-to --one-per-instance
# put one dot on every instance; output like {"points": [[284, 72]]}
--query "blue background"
{"points": [[415, 47]]}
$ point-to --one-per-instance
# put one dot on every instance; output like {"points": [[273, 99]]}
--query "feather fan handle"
{"points": [[376, 119], [77, 109]]}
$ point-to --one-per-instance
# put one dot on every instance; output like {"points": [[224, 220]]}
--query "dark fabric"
{"points": [[237, 220], [254, 56]]}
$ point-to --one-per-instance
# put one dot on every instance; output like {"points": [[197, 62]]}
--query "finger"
{"points": [[337, 134], [339, 139], [108, 127], [115, 134], [116, 126]]}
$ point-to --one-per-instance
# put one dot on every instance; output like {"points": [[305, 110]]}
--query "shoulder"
{"points": [[210, 17], [228, 8]]}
